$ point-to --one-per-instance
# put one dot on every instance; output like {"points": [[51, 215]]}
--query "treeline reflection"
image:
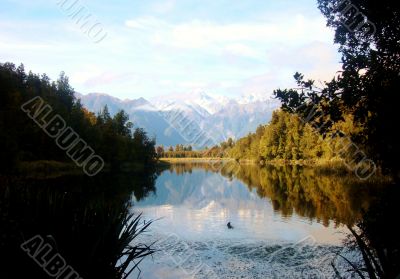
{"points": [[308, 192]]}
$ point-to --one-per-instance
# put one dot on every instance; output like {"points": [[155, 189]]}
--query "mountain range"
{"points": [[199, 119]]}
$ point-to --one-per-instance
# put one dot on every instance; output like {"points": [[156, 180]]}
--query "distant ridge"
{"points": [[220, 116]]}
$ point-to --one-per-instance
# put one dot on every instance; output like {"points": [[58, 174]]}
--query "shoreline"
{"points": [[276, 162], [193, 160], [335, 165]]}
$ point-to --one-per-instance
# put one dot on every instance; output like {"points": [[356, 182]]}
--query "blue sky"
{"points": [[161, 47]]}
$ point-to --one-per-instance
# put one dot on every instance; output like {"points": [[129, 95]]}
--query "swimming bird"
{"points": [[229, 225]]}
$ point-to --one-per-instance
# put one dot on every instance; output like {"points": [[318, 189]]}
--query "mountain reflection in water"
{"points": [[271, 208]]}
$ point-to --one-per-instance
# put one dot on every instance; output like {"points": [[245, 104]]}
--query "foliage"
{"points": [[286, 137], [22, 140], [310, 192], [90, 223], [367, 91], [367, 86], [181, 151]]}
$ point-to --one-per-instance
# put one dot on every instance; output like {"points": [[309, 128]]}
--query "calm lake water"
{"points": [[288, 222]]}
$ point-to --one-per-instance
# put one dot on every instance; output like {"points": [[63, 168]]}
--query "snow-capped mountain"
{"points": [[189, 119], [196, 100]]}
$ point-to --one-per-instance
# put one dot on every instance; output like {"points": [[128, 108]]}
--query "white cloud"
{"points": [[198, 34], [242, 50], [146, 23], [150, 55]]}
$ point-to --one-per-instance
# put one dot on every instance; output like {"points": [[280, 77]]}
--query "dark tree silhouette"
{"points": [[22, 140], [367, 87], [368, 34]]}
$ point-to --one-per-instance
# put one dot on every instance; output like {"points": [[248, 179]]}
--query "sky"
{"points": [[159, 47]]}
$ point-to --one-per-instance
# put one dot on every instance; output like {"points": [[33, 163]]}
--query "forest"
{"points": [[329, 154], [183, 151], [286, 138], [290, 138], [25, 146]]}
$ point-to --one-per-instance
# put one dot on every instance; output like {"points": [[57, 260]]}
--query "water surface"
{"points": [[288, 222]]}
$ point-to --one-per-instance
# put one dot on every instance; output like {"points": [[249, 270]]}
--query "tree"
{"points": [[230, 142], [110, 137], [65, 91], [285, 137], [160, 151], [21, 73], [104, 116], [122, 125], [366, 93], [367, 87]]}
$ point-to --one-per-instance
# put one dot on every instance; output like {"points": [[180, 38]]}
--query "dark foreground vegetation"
{"points": [[353, 117], [87, 220]]}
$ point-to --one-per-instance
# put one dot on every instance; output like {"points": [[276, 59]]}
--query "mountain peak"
{"points": [[204, 95], [218, 116]]}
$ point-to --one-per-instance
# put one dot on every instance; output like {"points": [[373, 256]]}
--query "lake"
{"points": [[289, 222]]}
